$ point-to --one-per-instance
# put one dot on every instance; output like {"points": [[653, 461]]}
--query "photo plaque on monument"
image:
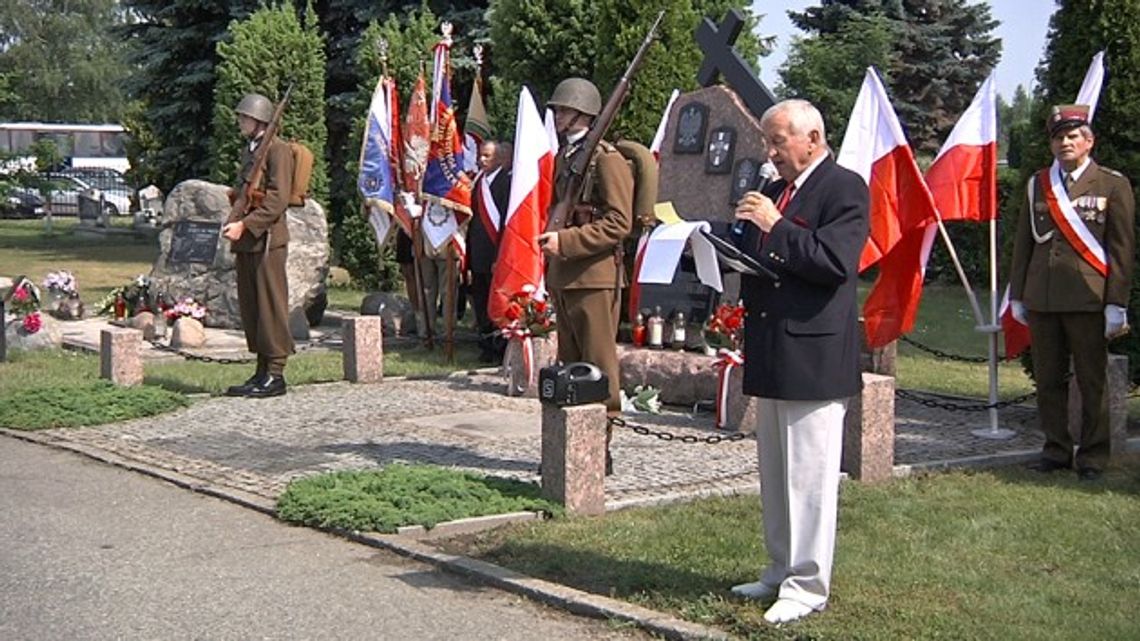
{"points": [[691, 125], [194, 241], [721, 147]]}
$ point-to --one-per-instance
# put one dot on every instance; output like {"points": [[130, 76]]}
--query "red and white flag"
{"points": [[659, 135], [901, 207], [520, 261]]}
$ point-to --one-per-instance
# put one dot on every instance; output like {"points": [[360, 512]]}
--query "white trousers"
{"points": [[800, 445]]}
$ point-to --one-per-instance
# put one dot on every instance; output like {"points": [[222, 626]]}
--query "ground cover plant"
{"points": [[1002, 554], [399, 494]]}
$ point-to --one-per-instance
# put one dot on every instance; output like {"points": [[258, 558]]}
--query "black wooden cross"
{"points": [[720, 57]]}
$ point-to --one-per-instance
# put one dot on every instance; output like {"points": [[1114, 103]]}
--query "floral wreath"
{"points": [[25, 300]]}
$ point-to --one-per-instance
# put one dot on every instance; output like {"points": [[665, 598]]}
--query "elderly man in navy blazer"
{"points": [[801, 347]]}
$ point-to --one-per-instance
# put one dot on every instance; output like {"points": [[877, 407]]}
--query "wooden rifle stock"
{"points": [[249, 196], [556, 218]]}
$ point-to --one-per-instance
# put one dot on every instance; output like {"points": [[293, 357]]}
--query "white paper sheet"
{"points": [[663, 253]]}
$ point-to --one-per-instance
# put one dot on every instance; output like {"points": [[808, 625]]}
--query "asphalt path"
{"points": [[90, 551]]}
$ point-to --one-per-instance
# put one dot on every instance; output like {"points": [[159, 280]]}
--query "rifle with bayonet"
{"points": [[556, 219], [250, 196]]}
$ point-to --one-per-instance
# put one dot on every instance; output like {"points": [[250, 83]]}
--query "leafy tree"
{"points": [[60, 61], [941, 50], [269, 51], [821, 68], [1014, 124], [1077, 31]]}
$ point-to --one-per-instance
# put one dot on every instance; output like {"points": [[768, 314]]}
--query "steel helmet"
{"points": [[577, 93], [256, 106]]}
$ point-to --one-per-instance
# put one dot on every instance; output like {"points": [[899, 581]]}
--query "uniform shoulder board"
{"points": [[607, 147], [1113, 172]]}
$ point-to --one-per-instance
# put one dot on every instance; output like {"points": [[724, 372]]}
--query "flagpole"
{"points": [[978, 317], [993, 432]]}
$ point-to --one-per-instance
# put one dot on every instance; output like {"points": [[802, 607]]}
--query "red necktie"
{"points": [[785, 196]]}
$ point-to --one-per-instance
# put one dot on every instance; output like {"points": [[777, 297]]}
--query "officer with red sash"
{"points": [[1070, 282]]}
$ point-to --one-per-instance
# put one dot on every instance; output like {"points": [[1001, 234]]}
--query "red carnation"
{"points": [[33, 323], [513, 312], [20, 295]]}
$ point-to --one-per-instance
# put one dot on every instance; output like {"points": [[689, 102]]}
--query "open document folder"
{"points": [[667, 242]]}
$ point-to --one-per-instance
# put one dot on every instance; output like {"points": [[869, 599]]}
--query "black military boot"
{"points": [[245, 388], [269, 386]]}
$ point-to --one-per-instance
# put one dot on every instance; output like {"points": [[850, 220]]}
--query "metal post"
{"points": [[993, 432], [3, 334]]}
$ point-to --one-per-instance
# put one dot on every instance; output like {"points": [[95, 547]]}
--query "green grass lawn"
{"points": [[1005, 554]]}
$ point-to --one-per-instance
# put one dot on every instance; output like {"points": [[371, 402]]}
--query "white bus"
{"points": [[96, 146]]}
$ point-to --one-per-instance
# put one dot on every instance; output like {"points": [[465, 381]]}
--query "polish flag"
{"points": [[520, 261], [659, 136], [901, 207], [1017, 334]]}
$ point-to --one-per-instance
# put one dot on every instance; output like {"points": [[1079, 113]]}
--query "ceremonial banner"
{"points": [[377, 181], [520, 262], [901, 206], [444, 180]]}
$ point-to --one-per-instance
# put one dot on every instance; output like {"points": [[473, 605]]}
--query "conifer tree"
{"points": [[269, 51]]}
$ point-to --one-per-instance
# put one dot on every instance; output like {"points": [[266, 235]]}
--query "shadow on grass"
{"points": [[604, 574], [430, 453], [176, 385], [1121, 477]]}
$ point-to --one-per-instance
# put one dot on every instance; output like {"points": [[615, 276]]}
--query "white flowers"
{"points": [[61, 282]]}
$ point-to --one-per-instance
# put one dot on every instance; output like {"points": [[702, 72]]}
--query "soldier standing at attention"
{"points": [[584, 274], [1070, 282], [259, 240]]}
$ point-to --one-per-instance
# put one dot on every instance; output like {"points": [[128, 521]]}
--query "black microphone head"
{"points": [[766, 176]]}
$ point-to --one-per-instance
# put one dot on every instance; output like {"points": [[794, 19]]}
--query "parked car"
{"points": [[68, 187], [21, 202]]}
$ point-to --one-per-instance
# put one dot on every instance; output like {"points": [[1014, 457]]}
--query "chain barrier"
{"points": [[959, 406], [713, 439], [221, 360], [941, 354]]}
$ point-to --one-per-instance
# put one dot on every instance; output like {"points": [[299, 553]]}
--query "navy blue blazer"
{"points": [[801, 332]]}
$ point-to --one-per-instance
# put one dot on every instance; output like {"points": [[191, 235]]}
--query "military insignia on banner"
{"points": [[1071, 224]]}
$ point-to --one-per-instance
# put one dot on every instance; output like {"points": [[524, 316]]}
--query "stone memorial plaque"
{"points": [[744, 178], [691, 125], [194, 241], [721, 148]]}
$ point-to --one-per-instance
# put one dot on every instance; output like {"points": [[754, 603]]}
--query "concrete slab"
{"points": [[485, 424]]}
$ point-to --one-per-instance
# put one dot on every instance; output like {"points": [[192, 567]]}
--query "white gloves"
{"points": [[1115, 321], [1018, 310]]}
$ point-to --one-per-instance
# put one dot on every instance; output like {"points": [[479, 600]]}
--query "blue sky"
{"points": [[1024, 24]]}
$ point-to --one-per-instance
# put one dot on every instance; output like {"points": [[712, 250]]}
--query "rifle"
{"points": [[250, 197], [556, 219]]}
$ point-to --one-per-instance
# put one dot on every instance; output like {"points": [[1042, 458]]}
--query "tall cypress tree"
{"points": [[269, 51]]}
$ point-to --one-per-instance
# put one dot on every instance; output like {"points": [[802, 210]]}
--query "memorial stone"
{"points": [[194, 260]]}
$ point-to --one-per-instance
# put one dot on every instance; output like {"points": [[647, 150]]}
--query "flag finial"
{"points": [[478, 51], [445, 28]]}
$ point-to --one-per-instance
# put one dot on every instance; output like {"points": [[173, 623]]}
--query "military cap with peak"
{"points": [[1065, 117]]}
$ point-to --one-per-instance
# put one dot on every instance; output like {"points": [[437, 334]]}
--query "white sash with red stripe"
{"points": [[489, 213], [1067, 220]]}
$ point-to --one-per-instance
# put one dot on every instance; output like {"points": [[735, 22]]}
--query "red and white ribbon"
{"points": [[727, 361], [1066, 219], [527, 338]]}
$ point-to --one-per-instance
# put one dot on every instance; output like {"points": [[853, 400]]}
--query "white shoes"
{"points": [[756, 590], [786, 611]]}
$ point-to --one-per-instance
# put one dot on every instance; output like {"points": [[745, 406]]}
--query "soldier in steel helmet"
{"points": [[584, 274], [259, 240], [1070, 282]]}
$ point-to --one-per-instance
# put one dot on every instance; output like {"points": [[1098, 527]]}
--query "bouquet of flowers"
{"points": [[136, 297], [186, 306], [725, 328], [25, 303], [61, 284], [527, 315]]}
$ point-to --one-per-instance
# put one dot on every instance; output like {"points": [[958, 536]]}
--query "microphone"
{"points": [[767, 175]]}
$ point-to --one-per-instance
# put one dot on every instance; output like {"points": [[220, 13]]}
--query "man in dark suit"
{"points": [[801, 350], [490, 194], [1070, 282]]}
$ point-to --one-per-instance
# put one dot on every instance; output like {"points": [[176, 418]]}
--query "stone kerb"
{"points": [[363, 350], [574, 457], [1116, 395], [120, 360], [869, 430]]}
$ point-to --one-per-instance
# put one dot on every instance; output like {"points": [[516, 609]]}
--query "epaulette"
{"points": [[1111, 171], [606, 146]]}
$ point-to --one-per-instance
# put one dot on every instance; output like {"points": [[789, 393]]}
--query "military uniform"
{"points": [[585, 279], [1065, 297], [260, 255]]}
